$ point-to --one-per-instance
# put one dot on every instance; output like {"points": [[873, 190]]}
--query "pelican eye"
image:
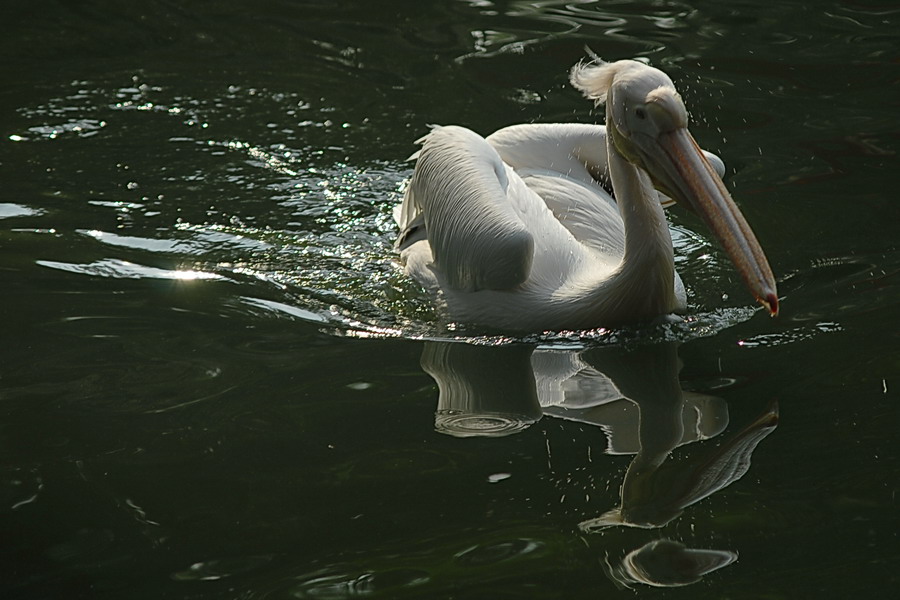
{"points": [[640, 113]]}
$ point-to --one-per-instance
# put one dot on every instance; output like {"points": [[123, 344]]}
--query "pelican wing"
{"points": [[459, 192], [573, 150], [566, 164]]}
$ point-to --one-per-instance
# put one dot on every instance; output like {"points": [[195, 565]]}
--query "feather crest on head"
{"points": [[595, 78]]}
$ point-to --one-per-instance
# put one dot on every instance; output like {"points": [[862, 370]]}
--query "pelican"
{"points": [[560, 226]]}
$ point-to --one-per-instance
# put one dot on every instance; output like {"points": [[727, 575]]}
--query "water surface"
{"points": [[216, 383]]}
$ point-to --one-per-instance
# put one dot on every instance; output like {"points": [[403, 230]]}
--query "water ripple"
{"points": [[220, 568], [498, 552], [327, 586], [120, 269], [460, 424], [9, 210]]}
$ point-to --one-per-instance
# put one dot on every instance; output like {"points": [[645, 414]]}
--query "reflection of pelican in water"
{"points": [[477, 400], [517, 230], [635, 397]]}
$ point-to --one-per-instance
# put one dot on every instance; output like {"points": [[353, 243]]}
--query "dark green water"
{"points": [[213, 379]]}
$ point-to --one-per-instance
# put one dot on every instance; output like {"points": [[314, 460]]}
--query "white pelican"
{"points": [[518, 232]]}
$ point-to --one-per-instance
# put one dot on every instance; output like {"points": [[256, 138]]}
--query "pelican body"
{"points": [[561, 226]]}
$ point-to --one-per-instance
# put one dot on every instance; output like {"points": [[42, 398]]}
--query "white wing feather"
{"points": [[460, 189]]}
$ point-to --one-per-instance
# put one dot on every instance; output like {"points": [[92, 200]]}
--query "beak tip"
{"points": [[770, 301]]}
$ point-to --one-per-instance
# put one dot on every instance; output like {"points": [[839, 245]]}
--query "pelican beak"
{"points": [[679, 169]]}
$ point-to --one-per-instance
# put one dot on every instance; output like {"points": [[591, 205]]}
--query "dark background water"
{"points": [[212, 378]]}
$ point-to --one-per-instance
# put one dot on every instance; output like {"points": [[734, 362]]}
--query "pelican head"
{"points": [[647, 123]]}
